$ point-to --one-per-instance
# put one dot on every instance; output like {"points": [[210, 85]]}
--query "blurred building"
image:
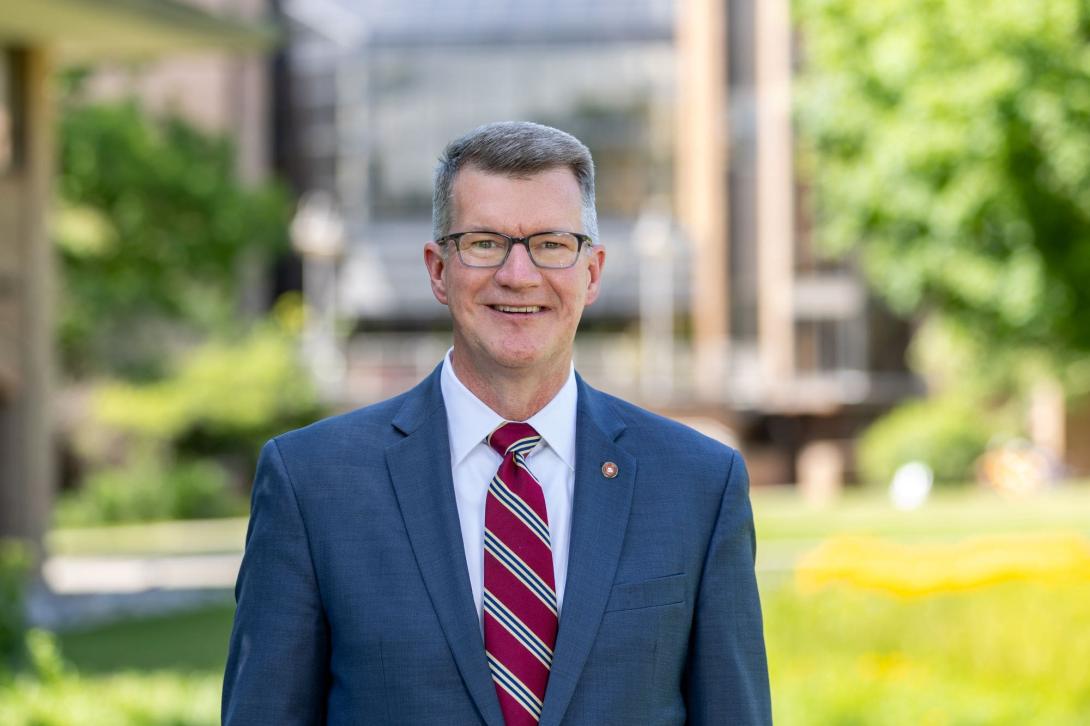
{"points": [[378, 89], [735, 323], [37, 38], [790, 341], [715, 309]]}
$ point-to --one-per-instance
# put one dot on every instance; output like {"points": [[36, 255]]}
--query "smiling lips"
{"points": [[524, 309]]}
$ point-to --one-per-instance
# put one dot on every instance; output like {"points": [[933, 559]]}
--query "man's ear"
{"points": [[436, 264], [597, 261]]}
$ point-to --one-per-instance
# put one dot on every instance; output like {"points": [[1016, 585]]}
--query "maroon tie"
{"points": [[520, 610]]}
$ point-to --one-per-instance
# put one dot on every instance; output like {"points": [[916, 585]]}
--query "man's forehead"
{"points": [[549, 199]]}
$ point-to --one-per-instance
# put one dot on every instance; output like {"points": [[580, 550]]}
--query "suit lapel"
{"points": [[419, 467], [599, 519]]}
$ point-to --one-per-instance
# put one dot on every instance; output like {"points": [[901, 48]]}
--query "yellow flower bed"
{"points": [[927, 568]]}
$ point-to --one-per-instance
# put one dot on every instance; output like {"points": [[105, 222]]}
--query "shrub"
{"points": [[44, 657], [149, 489], [126, 698], [170, 448], [223, 397], [947, 433], [153, 226]]}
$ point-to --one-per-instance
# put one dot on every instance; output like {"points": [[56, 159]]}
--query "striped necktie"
{"points": [[520, 609]]}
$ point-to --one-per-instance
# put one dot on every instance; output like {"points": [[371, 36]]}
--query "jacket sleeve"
{"points": [[726, 678], [277, 665]]}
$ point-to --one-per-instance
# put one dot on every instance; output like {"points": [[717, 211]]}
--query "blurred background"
{"points": [[850, 238]]}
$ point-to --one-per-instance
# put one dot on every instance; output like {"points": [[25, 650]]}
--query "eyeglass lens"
{"points": [[553, 249]]}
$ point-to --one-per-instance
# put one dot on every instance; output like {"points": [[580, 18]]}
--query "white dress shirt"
{"points": [[474, 463]]}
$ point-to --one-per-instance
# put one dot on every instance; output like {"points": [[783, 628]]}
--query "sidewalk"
{"points": [[74, 575], [78, 592]]}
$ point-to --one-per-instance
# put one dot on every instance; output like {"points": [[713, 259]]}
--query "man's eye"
{"points": [[482, 244], [551, 245]]}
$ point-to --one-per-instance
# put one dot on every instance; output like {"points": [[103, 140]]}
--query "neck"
{"points": [[511, 392]]}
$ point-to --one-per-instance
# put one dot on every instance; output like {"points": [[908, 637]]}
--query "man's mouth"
{"points": [[517, 309]]}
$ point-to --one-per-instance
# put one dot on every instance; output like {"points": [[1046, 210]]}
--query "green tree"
{"points": [[153, 227], [948, 142]]}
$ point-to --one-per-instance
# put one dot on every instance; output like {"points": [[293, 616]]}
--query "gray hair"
{"points": [[516, 149]]}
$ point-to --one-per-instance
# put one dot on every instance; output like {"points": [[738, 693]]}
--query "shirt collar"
{"points": [[470, 420]]}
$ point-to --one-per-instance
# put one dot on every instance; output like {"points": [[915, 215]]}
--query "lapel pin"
{"points": [[609, 470]]}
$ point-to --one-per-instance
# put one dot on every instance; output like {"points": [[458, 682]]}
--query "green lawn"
{"points": [[1013, 653], [787, 527], [192, 641], [953, 512]]}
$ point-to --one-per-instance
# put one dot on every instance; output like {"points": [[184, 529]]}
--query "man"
{"points": [[502, 544]]}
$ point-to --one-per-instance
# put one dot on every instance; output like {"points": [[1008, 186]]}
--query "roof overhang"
{"points": [[118, 29]]}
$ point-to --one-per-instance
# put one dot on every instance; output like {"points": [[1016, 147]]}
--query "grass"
{"points": [[997, 654], [158, 698], [1013, 653], [191, 642], [950, 512], [786, 528]]}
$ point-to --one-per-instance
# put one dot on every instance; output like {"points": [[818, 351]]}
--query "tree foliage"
{"points": [[948, 142], [153, 228]]}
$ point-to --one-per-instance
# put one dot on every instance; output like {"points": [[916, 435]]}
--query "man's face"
{"points": [[485, 335]]}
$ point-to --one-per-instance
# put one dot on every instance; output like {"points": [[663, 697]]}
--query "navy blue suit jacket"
{"points": [[354, 604]]}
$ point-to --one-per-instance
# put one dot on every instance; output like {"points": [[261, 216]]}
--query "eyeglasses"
{"points": [[551, 250]]}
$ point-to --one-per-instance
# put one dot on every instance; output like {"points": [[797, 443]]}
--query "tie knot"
{"points": [[513, 437]]}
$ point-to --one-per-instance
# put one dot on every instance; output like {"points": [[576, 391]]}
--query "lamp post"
{"points": [[317, 234]]}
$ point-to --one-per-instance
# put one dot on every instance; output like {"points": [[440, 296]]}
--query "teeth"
{"points": [[511, 309]]}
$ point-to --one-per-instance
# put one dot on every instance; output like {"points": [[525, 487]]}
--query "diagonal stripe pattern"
{"points": [[520, 608]]}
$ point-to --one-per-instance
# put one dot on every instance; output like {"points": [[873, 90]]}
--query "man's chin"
{"points": [[519, 360], [528, 358], [514, 358]]}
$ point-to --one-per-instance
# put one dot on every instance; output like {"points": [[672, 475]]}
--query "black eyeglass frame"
{"points": [[583, 239]]}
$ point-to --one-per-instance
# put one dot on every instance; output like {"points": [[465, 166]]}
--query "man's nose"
{"points": [[518, 270]]}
